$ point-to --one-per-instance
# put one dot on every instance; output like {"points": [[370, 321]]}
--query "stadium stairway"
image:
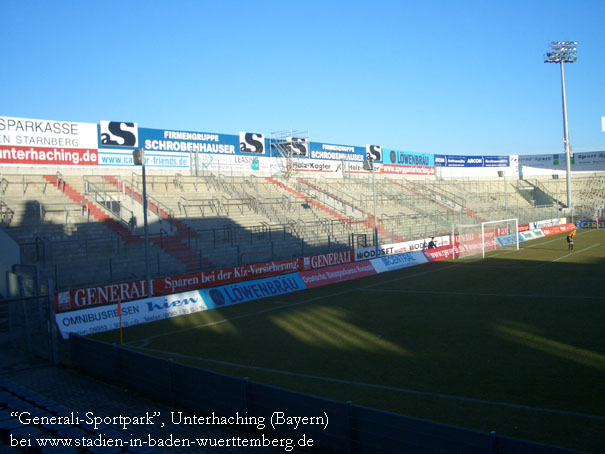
{"points": [[334, 196], [94, 210], [176, 245], [369, 222], [467, 212]]}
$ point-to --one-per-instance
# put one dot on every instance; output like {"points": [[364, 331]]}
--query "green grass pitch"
{"points": [[514, 343]]}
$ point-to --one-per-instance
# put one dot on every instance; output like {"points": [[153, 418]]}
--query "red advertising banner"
{"points": [[48, 156], [440, 253], [548, 231], [338, 273], [523, 228], [329, 259], [127, 291], [212, 278], [407, 170], [96, 296]]}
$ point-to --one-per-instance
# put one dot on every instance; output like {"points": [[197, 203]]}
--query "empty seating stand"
{"points": [[75, 229]]}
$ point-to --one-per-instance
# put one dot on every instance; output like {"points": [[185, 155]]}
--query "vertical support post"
{"points": [[566, 140], [146, 235]]}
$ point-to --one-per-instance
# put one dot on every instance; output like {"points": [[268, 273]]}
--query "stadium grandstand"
{"points": [[87, 226]]}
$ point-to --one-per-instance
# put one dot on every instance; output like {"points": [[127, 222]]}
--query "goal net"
{"points": [[475, 239]]}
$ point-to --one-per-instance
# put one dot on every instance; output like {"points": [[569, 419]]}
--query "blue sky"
{"points": [[453, 77]]}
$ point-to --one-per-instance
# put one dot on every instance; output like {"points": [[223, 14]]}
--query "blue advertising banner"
{"points": [[507, 240], [496, 161], [591, 224], [188, 142], [337, 152], [407, 158], [471, 161], [399, 261], [251, 290]]}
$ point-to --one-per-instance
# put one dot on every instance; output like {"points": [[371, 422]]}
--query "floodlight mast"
{"points": [[564, 52]]}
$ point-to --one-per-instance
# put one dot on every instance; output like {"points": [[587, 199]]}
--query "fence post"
{"points": [[349, 405], [52, 326]]}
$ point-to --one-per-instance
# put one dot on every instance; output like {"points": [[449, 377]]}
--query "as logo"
{"points": [[299, 146], [119, 134], [393, 157], [374, 152], [251, 143]]}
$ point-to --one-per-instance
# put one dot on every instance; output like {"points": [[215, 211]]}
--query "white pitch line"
{"points": [[568, 255], [387, 388], [281, 305]]}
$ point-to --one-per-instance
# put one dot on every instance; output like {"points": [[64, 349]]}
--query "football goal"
{"points": [[499, 234], [474, 239]]}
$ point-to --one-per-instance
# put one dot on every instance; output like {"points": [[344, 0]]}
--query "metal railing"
{"points": [[6, 214], [153, 204], [112, 204]]}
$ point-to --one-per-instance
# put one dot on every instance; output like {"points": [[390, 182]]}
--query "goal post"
{"points": [[475, 239], [503, 233]]}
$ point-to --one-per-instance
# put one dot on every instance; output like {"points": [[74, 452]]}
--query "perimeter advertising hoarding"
{"points": [[471, 161], [86, 297], [441, 253], [586, 162], [182, 149], [28, 141], [407, 158], [160, 140], [105, 318], [327, 151], [241, 292], [315, 165], [591, 224], [530, 235], [224, 276], [548, 231], [399, 261], [396, 162], [399, 248], [339, 273]]}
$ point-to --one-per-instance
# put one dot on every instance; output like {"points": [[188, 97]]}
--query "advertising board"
{"points": [[441, 253], [241, 292], [471, 161], [28, 141], [530, 235], [591, 224], [555, 230], [367, 253], [328, 151], [106, 318], [399, 261], [507, 240], [338, 273]]}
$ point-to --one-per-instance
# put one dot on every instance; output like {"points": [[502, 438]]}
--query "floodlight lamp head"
{"points": [[562, 52]]}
